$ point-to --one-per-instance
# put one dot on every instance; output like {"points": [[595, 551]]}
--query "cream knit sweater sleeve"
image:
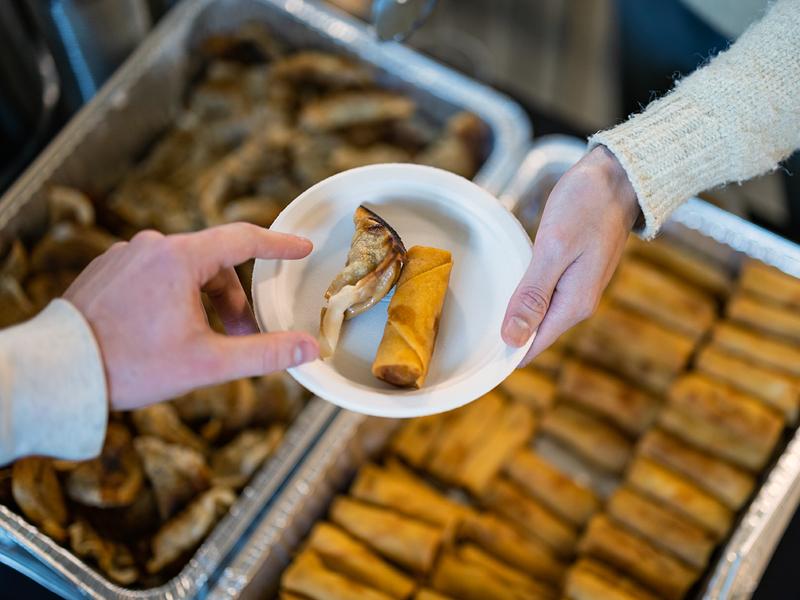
{"points": [[53, 398], [733, 119]]}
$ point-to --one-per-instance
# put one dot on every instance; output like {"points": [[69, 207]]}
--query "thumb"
{"points": [[259, 354], [530, 301]]}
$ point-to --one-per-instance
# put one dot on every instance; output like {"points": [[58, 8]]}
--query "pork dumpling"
{"points": [[373, 265]]}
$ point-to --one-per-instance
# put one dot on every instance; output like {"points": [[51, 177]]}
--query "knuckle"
{"points": [[586, 308], [147, 235], [533, 299]]}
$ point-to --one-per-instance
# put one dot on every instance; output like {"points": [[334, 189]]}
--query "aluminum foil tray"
{"points": [[112, 131], [353, 439]]}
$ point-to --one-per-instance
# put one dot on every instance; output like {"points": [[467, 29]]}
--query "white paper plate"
{"points": [[426, 206]]}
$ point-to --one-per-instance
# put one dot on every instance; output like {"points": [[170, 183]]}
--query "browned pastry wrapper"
{"points": [[415, 438], [531, 388], [589, 579], [471, 553], [430, 595], [771, 319], [404, 354], [757, 348], [308, 576], [770, 284]]}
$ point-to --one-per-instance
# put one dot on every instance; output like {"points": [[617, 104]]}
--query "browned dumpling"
{"points": [[236, 462], [162, 421], [37, 492], [114, 559]]}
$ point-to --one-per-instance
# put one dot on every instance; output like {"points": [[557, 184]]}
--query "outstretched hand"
{"points": [[578, 245], [142, 300]]}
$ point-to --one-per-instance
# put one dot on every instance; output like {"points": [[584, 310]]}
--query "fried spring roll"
{"points": [[308, 577], [531, 388], [592, 580], [508, 500], [780, 391], [551, 487], [661, 526], [408, 542], [404, 354], [473, 581], [515, 427], [688, 266], [463, 431], [679, 494], [473, 554], [757, 349], [729, 484], [663, 297], [346, 555], [633, 346], [591, 438], [770, 319], [631, 553], [430, 595], [549, 361], [770, 284], [503, 540], [718, 407], [416, 437], [407, 494], [629, 409]]}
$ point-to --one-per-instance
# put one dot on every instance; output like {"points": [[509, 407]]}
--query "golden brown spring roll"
{"points": [[633, 346], [415, 438], [757, 349], [551, 487], [769, 283], [770, 319], [589, 579], [471, 553], [346, 555], [722, 480], [631, 410], [514, 429], [549, 361], [463, 431], [720, 408], [308, 577], [407, 494], [688, 266], [404, 354], [502, 539], [509, 501], [668, 487], [777, 389], [631, 553], [408, 542], [531, 388], [430, 595], [662, 297], [591, 438], [473, 581], [661, 526]]}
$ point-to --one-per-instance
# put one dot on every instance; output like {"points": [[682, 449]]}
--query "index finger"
{"points": [[228, 245]]}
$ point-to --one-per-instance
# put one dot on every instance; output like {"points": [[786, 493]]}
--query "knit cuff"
{"points": [[54, 397]]}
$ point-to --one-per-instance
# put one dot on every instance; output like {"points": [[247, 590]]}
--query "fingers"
{"points": [[232, 357], [228, 245], [229, 300]]}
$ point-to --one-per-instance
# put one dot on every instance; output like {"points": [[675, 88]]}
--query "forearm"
{"points": [[53, 398], [731, 120]]}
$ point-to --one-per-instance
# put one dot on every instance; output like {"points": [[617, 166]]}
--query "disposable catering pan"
{"points": [[110, 133], [352, 439]]}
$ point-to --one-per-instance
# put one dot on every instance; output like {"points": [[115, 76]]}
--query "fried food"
{"points": [[470, 553], [15, 263], [531, 388], [15, 306], [37, 492], [508, 500], [663, 297], [114, 478], [430, 595], [68, 246], [176, 473], [759, 350], [460, 149], [404, 354], [589, 579], [551, 487], [323, 69], [347, 109], [628, 408], [595, 441], [769, 283], [162, 421], [346, 555], [308, 576], [726, 482], [661, 526], [185, 531], [226, 408], [374, 262], [411, 543], [114, 559], [672, 490], [70, 205], [549, 361], [631, 553], [234, 464], [416, 437], [778, 390], [772, 320]]}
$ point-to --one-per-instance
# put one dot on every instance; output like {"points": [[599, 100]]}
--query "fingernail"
{"points": [[518, 331]]}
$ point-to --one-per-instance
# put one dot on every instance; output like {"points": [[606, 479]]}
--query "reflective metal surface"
{"points": [[397, 19]]}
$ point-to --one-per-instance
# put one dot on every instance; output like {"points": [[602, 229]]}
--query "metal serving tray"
{"points": [[352, 439], [104, 139]]}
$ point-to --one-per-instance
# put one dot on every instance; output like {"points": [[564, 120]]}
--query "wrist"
{"points": [[623, 196]]}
